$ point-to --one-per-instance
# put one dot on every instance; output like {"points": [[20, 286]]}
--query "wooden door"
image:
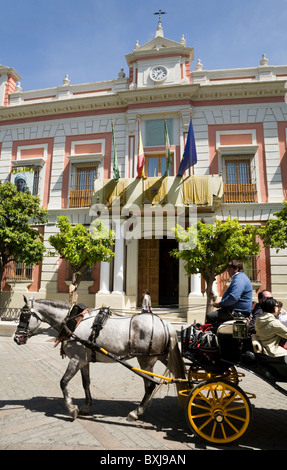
{"points": [[148, 269]]}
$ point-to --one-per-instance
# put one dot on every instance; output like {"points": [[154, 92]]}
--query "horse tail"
{"points": [[175, 362]]}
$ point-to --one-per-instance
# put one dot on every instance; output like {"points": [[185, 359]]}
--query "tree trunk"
{"points": [[209, 294], [2, 270], [73, 288]]}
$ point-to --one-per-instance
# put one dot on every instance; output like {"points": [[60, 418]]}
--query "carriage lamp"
{"points": [[240, 329]]}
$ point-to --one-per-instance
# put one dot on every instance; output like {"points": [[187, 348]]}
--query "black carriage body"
{"points": [[233, 340], [230, 345], [215, 352]]}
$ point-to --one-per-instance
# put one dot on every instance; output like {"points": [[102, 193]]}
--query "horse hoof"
{"points": [[132, 416], [74, 412], [84, 411]]}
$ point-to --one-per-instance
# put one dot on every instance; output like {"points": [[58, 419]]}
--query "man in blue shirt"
{"points": [[237, 298]]}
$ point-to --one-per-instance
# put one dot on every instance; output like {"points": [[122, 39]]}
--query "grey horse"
{"points": [[144, 336]]}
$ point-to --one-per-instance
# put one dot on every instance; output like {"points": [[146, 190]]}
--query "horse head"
{"points": [[28, 323]]}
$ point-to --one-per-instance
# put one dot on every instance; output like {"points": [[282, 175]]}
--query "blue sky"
{"points": [[88, 39]]}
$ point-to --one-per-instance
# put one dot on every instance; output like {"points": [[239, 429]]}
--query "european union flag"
{"points": [[189, 156]]}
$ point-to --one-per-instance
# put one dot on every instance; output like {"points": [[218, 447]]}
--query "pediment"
{"points": [[159, 43]]}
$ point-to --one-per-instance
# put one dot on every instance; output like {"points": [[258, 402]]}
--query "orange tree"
{"points": [[20, 240], [82, 248], [206, 249]]}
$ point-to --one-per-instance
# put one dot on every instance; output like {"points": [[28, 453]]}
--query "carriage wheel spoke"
{"points": [[219, 411]]}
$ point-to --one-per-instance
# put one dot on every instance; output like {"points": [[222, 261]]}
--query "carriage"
{"points": [[217, 409], [205, 369]]}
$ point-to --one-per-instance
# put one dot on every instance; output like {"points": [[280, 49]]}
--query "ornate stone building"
{"points": [[61, 139]]}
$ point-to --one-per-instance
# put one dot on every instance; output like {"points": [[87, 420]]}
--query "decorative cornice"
{"points": [[258, 89], [121, 101]]}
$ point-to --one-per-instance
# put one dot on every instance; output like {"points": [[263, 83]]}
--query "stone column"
{"points": [[105, 278], [118, 262]]}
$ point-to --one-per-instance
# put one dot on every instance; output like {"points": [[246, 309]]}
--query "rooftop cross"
{"points": [[159, 13]]}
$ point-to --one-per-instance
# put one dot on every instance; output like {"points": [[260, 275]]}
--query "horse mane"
{"points": [[53, 303]]}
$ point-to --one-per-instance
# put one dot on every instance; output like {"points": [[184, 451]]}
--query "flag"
{"points": [[141, 159], [189, 156], [167, 149], [116, 171]]}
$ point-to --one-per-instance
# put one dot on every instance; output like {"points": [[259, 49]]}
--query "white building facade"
{"points": [[61, 139]]}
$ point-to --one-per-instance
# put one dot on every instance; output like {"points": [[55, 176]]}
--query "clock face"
{"points": [[158, 73]]}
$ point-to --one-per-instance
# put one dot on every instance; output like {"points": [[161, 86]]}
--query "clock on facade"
{"points": [[158, 73]]}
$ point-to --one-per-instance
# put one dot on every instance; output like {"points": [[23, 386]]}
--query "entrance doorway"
{"points": [[168, 273], [158, 271]]}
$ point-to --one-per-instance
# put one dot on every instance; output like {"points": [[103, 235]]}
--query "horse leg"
{"points": [[149, 388], [71, 371], [85, 372]]}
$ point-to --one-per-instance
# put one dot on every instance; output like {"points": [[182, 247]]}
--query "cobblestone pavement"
{"points": [[33, 417]]}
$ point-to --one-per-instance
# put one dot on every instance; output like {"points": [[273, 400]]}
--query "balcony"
{"points": [[205, 191], [80, 198], [18, 272], [240, 192]]}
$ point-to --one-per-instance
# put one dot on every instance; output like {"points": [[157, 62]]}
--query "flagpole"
{"points": [[116, 173]]}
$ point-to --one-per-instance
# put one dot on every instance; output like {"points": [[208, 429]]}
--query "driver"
{"points": [[237, 297]]}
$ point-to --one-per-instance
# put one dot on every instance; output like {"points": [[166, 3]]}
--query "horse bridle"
{"points": [[23, 331]]}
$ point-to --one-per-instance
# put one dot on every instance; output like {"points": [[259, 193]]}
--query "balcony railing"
{"points": [[80, 197], [240, 192], [19, 272], [10, 313]]}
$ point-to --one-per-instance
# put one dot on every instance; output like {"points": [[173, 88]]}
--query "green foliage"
{"points": [[82, 248], [19, 241], [274, 233], [208, 248]]}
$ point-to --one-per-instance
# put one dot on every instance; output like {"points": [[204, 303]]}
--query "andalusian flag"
{"points": [[141, 159], [167, 150], [116, 171]]}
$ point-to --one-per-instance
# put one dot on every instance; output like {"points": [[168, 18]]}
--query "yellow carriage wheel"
{"points": [[218, 411]]}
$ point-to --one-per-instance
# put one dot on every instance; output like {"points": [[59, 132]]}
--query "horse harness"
{"points": [[151, 338], [23, 330], [73, 319], [76, 315]]}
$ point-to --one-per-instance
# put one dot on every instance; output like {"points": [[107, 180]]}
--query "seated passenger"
{"points": [[269, 330], [257, 309], [237, 297]]}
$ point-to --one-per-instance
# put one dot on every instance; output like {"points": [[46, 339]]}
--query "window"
{"points": [[26, 178], [252, 269], [19, 271], [156, 165], [239, 180], [82, 185], [154, 132]]}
